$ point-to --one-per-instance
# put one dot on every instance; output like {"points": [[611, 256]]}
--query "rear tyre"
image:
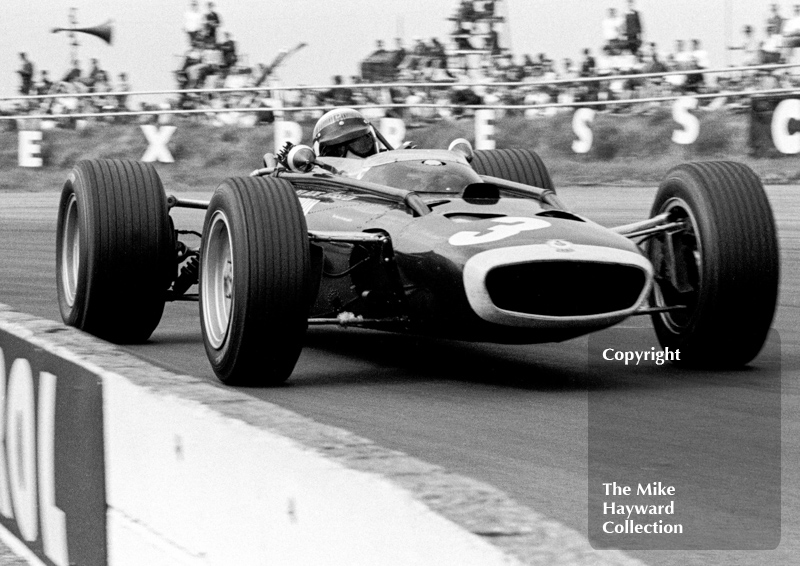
{"points": [[254, 281], [517, 165], [114, 249], [724, 266]]}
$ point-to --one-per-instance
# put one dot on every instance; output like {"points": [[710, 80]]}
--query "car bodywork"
{"points": [[481, 263]]}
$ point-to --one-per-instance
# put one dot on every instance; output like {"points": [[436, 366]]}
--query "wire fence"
{"points": [[279, 107]]}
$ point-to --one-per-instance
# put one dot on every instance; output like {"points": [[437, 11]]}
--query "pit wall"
{"points": [[108, 460]]}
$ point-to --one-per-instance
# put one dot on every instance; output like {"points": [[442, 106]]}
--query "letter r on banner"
{"points": [[287, 131], [158, 139], [29, 148], [484, 129]]}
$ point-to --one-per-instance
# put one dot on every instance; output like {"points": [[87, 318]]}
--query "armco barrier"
{"points": [[198, 474]]}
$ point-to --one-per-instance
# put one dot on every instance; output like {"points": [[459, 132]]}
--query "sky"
{"points": [[149, 42]]}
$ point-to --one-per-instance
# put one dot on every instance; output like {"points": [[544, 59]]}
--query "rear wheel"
{"points": [[723, 266], [517, 165], [114, 249], [254, 281]]}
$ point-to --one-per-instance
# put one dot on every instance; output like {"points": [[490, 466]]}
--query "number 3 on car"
{"points": [[510, 226]]}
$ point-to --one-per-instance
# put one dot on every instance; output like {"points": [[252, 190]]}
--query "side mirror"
{"points": [[463, 147], [301, 159]]}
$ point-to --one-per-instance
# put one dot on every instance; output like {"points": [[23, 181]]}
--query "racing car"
{"points": [[459, 243]]}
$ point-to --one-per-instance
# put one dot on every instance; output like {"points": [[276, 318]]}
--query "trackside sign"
{"points": [[52, 482]]}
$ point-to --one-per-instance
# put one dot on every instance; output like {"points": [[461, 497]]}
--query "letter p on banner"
{"points": [[29, 148], [287, 132]]}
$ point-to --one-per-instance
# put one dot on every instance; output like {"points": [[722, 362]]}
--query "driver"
{"points": [[344, 132]]}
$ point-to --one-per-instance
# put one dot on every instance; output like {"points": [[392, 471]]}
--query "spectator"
{"points": [[193, 22], [25, 74], [493, 41], [699, 60], [45, 84], [96, 75], [791, 32], [212, 21], [749, 47], [588, 65], [612, 29], [771, 47], [633, 28], [379, 49], [122, 86], [775, 21], [399, 50], [341, 96], [228, 50], [74, 74]]}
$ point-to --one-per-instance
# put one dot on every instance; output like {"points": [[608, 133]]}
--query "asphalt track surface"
{"points": [[517, 417]]}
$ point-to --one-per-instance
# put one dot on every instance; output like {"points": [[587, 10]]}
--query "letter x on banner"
{"points": [[158, 139]]}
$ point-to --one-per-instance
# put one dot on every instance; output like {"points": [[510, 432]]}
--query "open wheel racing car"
{"points": [[461, 244]]}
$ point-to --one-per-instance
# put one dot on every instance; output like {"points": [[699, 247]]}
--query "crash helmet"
{"points": [[342, 131]]}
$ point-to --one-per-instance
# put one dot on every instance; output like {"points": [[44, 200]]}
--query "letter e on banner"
{"points": [[394, 130], [785, 137], [287, 132], [158, 139], [691, 125], [484, 129], [581, 121], [29, 148]]}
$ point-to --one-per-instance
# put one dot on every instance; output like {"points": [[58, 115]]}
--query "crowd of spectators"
{"points": [[74, 81], [474, 52]]}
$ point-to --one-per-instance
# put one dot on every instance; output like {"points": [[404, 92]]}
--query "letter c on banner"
{"points": [[287, 132], [785, 139], [691, 125], [581, 121]]}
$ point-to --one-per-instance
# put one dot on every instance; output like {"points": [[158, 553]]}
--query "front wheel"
{"points": [[721, 265], [254, 281], [115, 254]]}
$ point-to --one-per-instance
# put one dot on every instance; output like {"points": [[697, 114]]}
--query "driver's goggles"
{"points": [[361, 146]]}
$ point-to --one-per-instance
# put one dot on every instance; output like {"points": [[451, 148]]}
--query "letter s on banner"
{"points": [[581, 121], [691, 125], [786, 138], [29, 148], [484, 129], [287, 132], [394, 130]]}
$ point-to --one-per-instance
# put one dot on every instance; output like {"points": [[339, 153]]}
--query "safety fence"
{"points": [[279, 105]]}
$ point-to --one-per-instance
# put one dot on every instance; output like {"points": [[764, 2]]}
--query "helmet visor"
{"points": [[362, 146]]}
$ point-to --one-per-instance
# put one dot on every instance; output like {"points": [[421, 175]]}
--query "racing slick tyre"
{"points": [[724, 265], [517, 165], [254, 281], [114, 249]]}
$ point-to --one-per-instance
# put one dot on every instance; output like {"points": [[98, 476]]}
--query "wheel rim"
{"points": [[666, 295], [70, 251], [217, 280]]}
